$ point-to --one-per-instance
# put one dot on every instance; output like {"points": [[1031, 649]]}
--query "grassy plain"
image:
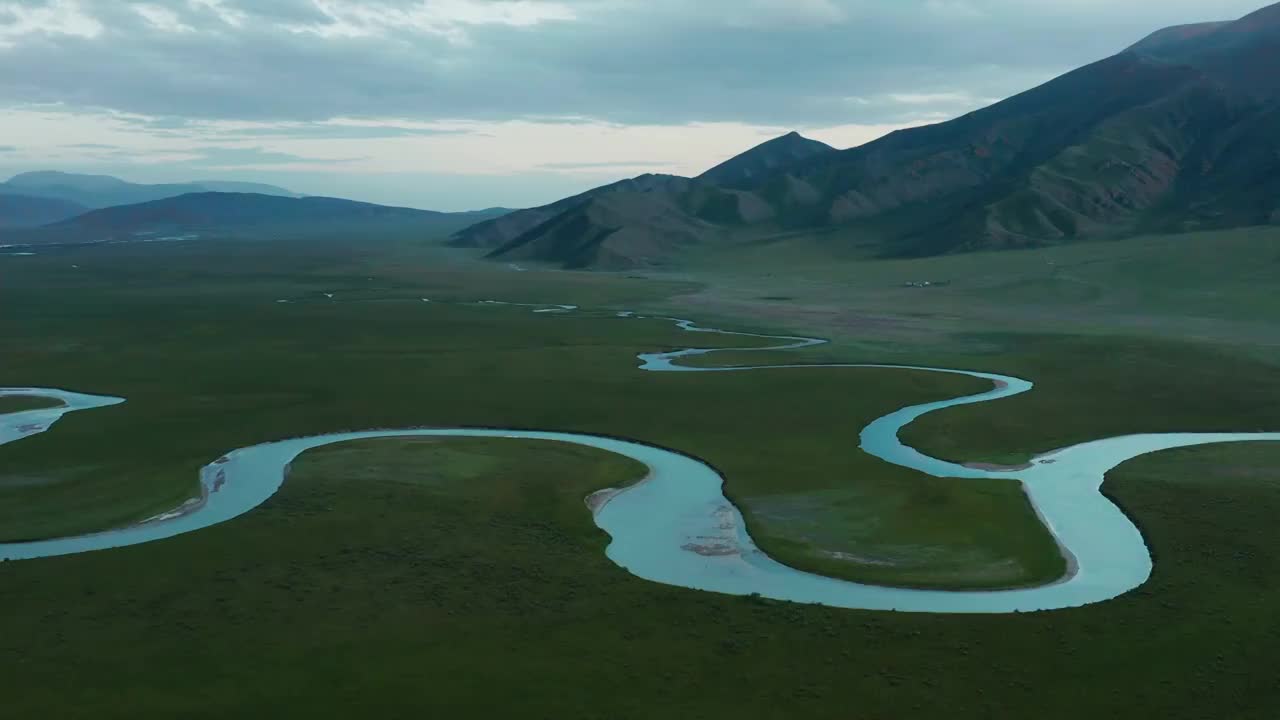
{"points": [[1154, 334], [1215, 287], [448, 579], [218, 363], [376, 583]]}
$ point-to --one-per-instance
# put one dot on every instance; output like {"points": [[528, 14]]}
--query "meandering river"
{"points": [[676, 526]]}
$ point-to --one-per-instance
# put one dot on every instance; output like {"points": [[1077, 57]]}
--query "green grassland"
{"points": [[18, 403], [465, 578], [1086, 388], [1215, 287], [1174, 333], [205, 372]]}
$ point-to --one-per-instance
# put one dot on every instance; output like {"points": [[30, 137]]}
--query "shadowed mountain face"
{"points": [[644, 220], [1179, 132], [99, 191], [500, 231], [1243, 56], [246, 215], [761, 161], [612, 231], [23, 211]]}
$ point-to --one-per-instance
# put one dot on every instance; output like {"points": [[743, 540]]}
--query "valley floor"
{"points": [[383, 568]]}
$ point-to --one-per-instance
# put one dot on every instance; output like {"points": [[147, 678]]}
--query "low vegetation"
{"points": [[376, 356], [466, 578]]}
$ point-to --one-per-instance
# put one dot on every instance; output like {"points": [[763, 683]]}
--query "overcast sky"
{"points": [[458, 104]]}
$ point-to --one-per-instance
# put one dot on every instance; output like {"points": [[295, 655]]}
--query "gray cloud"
{"points": [[285, 130], [170, 122], [325, 131], [237, 156], [291, 11], [777, 62], [8, 148]]}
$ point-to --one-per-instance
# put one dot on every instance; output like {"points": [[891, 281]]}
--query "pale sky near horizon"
{"points": [[462, 104]]}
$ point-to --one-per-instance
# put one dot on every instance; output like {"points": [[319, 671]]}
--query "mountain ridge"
{"points": [[245, 215], [1181, 131], [499, 231], [25, 211], [99, 191], [764, 158]]}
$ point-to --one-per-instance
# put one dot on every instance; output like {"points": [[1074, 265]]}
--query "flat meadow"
{"points": [[466, 576]]}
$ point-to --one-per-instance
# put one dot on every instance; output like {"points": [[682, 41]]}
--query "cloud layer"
{"points": [[355, 86], [776, 62]]}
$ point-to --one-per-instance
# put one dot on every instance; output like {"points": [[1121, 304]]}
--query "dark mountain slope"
{"points": [[1170, 36], [1244, 54], [929, 189], [642, 220], [1120, 176], [22, 211], [945, 176], [613, 231], [1205, 155], [1233, 179], [627, 228], [499, 231], [1180, 131], [762, 160]]}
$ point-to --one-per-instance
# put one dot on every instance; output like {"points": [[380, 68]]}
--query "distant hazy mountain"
{"points": [[244, 187], [24, 211], [1180, 131], [211, 215], [98, 191]]}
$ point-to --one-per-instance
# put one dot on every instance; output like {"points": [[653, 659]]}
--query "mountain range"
{"points": [[246, 215], [1179, 132], [56, 207], [99, 191], [644, 219], [25, 211]]}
